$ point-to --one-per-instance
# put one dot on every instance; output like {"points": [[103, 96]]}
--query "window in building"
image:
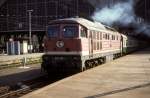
{"points": [[53, 31], [52, 8], [70, 31], [40, 9], [29, 1]]}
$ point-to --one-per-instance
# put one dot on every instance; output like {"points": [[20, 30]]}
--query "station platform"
{"points": [[126, 77], [15, 60]]}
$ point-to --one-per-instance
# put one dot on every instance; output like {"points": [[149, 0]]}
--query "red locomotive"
{"points": [[77, 43]]}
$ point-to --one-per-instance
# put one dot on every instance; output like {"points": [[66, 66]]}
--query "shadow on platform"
{"points": [[20, 76]]}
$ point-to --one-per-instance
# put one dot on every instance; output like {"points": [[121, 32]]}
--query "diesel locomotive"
{"points": [[78, 43]]}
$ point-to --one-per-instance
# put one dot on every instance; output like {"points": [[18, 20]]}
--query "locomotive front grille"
{"points": [[53, 61]]}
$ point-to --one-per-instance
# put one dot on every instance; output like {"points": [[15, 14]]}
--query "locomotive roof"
{"points": [[87, 23]]}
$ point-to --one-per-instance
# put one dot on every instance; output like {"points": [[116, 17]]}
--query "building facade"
{"points": [[14, 16]]}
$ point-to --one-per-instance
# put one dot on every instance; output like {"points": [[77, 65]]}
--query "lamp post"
{"points": [[30, 31], [77, 8]]}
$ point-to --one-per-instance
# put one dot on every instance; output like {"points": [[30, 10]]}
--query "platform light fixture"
{"points": [[30, 30]]}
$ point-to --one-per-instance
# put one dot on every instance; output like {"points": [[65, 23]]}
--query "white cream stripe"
{"points": [[83, 53]]}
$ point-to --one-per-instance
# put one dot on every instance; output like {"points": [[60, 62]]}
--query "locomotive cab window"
{"points": [[70, 31], [53, 31]]}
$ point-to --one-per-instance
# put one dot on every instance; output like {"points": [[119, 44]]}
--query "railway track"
{"points": [[23, 87], [28, 86], [15, 94]]}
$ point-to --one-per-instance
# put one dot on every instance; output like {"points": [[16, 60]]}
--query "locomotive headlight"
{"points": [[60, 44]]}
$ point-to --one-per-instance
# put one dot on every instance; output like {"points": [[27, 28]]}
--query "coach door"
{"points": [[91, 44], [121, 44]]}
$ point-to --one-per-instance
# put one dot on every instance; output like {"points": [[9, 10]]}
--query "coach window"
{"points": [[70, 31], [53, 31], [83, 32]]}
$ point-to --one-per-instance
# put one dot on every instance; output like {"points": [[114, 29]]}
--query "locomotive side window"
{"points": [[94, 34], [107, 36], [100, 35], [97, 35], [83, 32], [104, 36], [113, 37], [53, 31], [70, 31]]}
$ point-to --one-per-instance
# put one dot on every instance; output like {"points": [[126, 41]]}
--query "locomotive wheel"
{"points": [[82, 69]]}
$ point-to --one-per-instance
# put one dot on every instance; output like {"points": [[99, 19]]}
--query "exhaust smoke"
{"points": [[120, 13]]}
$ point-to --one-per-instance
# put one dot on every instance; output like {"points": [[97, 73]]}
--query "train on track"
{"points": [[78, 43]]}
